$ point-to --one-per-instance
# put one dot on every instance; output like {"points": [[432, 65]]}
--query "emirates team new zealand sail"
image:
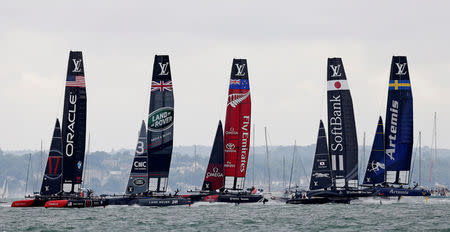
{"points": [[237, 126]]}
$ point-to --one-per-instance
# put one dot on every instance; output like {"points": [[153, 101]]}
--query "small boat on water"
{"points": [[148, 181], [64, 170], [4, 191]]}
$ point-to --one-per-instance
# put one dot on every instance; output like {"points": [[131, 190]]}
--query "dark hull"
{"points": [[319, 200], [345, 193], [77, 203], [244, 198], [36, 202], [398, 192], [150, 201]]}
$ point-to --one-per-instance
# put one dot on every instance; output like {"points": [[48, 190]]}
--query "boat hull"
{"points": [[319, 200], [76, 203], [399, 192], [150, 201], [29, 203]]}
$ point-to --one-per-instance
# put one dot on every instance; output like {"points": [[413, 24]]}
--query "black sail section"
{"points": [[74, 120], [399, 123], [343, 144], [160, 125], [321, 172], [214, 176], [137, 183], [53, 179]]}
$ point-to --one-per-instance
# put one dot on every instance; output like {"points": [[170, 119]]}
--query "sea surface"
{"points": [[363, 215]]}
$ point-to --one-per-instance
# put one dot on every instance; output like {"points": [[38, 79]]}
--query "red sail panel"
{"points": [[237, 126]]}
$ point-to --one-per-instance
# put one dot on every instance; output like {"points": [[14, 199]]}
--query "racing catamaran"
{"points": [[61, 184], [149, 174], [389, 164]]}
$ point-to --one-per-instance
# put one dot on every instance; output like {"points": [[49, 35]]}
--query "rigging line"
{"points": [[414, 157], [28, 172]]}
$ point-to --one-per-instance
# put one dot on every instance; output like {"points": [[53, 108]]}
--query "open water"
{"points": [[368, 215]]}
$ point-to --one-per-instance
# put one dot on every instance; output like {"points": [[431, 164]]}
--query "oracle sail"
{"points": [[52, 182], [214, 176], [321, 172], [237, 126], [137, 183], [343, 144], [399, 123], [160, 125], [375, 171], [74, 121]]}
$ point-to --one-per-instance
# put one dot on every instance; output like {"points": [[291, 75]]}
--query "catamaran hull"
{"points": [[319, 200], [151, 201], [76, 203], [399, 192], [230, 198], [29, 203]]}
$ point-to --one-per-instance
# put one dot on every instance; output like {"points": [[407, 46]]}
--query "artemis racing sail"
{"points": [[399, 123], [74, 121], [375, 171], [160, 125], [321, 172], [52, 182], [137, 183], [237, 126], [343, 144], [214, 178]]}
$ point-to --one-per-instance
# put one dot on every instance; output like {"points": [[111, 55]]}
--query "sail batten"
{"points": [[237, 126], [74, 120], [214, 176], [343, 144], [399, 123], [160, 125], [53, 177]]}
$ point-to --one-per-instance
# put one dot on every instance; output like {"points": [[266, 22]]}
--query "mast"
{"points": [[284, 181], [195, 157], [321, 171], [399, 123], [237, 126], [253, 158], [74, 122], [420, 158], [137, 182], [267, 157], [52, 181], [28, 173], [433, 149], [292, 165], [343, 143], [375, 171], [364, 151], [160, 125], [214, 175]]}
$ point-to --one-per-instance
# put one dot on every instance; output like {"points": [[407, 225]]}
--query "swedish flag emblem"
{"points": [[399, 85]]}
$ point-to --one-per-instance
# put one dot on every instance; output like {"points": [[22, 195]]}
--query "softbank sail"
{"points": [[237, 126], [343, 144]]}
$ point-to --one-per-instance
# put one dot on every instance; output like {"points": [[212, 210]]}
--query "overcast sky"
{"points": [[287, 44]]}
